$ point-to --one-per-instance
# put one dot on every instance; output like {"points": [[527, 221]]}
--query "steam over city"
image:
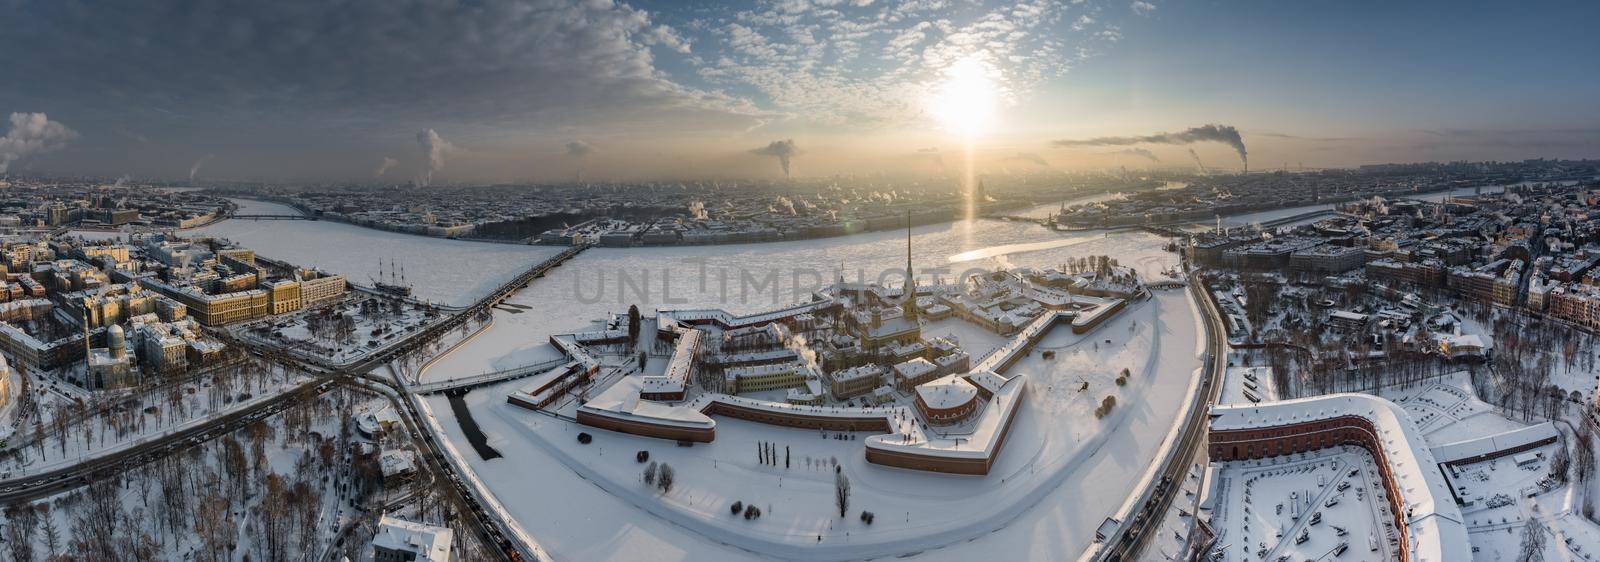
{"points": [[815, 280]]}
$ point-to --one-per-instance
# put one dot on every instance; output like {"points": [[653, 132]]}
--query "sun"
{"points": [[965, 102]]}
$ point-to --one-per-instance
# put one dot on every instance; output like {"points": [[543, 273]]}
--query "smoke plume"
{"points": [[1029, 157], [121, 181], [1140, 152], [579, 149], [783, 150], [1224, 134], [1197, 161], [31, 133], [195, 169], [383, 167], [434, 148]]}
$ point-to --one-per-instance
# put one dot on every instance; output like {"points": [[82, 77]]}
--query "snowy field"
{"points": [[451, 272], [1271, 508], [1446, 410], [1258, 380], [319, 333]]}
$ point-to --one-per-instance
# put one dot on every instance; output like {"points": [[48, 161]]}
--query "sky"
{"points": [[436, 91]]}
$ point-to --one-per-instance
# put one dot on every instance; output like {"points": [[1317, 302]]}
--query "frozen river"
{"points": [[452, 272]]}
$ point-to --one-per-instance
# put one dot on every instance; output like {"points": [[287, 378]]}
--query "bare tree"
{"points": [[841, 492], [215, 527], [274, 522], [20, 520], [1532, 541], [100, 510], [52, 534]]}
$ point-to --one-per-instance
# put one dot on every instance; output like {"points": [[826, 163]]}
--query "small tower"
{"points": [[909, 304]]}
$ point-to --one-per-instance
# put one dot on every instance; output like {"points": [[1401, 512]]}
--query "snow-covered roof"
{"points": [[981, 441], [1489, 444], [621, 401], [914, 368], [728, 320], [1431, 515], [676, 377], [429, 543], [946, 392], [986, 380]]}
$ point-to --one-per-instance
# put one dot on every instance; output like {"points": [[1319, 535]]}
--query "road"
{"points": [[490, 530], [1140, 527], [49, 483]]}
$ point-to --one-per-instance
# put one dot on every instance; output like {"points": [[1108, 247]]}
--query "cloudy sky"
{"points": [[493, 90]]}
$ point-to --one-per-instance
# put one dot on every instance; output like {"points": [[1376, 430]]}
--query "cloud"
{"points": [[32, 133], [1142, 8], [434, 149], [579, 149], [783, 150], [349, 70], [384, 166], [872, 67], [1224, 134]]}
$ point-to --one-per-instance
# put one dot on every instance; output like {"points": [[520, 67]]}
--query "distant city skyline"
{"points": [[549, 90]]}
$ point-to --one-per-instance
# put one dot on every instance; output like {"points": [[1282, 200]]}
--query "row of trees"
{"points": [[222, 500], [162, 402]]}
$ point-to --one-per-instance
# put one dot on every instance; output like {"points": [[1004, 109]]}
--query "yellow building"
{"points": [[756, 378], [283, 296]]}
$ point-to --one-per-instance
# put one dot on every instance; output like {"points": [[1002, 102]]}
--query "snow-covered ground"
{"points": [[1061, 473], [221, 484], [373, 322], [1257, 380], [148, 416], [1446, 410], [1270, 505]]}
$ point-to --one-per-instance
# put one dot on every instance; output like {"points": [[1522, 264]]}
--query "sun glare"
{"points": [[965, 103]]}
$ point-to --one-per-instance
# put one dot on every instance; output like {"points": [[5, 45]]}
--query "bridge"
{"points": [[273, 217], [437, 329], [475, 381]]}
